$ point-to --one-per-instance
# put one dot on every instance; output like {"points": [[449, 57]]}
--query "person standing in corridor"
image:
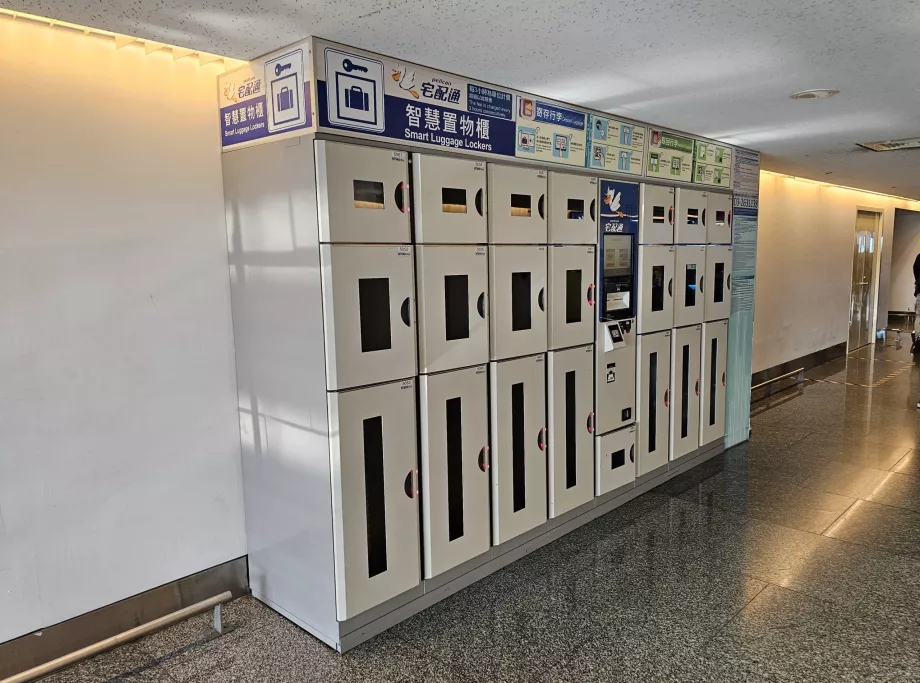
{"points": [[915, 334]]}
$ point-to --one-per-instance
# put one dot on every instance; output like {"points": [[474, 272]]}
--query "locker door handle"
{"points": [[540, 204], [590, 295], [696, 389], [593, 204], [671, 215], [481, 305], [704, 217], [632, 454], [400, 196], [667, 398], [484, 459], [729, 281], [404, 313], [702, 277], [729, 219], [479, 202], [541, 439], [590, 424], [410, 485], [540, 297], [723, 379], [671, 287]]}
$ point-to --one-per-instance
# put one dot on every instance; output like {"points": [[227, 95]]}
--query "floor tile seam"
{"points": [[875, 548], [849, 507], [716, 631], [906, 456]]}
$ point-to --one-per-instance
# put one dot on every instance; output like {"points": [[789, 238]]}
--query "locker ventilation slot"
{"points": [[570, 448], [657, 214], [713, 354], [693, 216], [652, 425], [453, 200], [684, 391], [690, 293], [454, 469], [617, 459], [518, 447], [374, 313], [374, 499], [456, 307], [576, 209], [572, 296], [720, 218], [657, 288], [368, 194], [719, 293], [520, 205], [520, 301]]}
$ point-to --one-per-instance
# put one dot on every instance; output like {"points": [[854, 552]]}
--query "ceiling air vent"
{"points": [[891, 145]]}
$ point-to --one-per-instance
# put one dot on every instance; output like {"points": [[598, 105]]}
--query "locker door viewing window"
{"points": [[570, 419], [713, 355], [453, 200], [575, 209], [520, 205], [368, 194], [652, 401], [374, 313], [518, 481], [657, 288], [720, 218], [454, 468], [693, 216], [618, 458], [456, 307], [719, 292], [684, 390], [520, 301], [374, 499], [573, 296], [690, 291], [657, 214]]}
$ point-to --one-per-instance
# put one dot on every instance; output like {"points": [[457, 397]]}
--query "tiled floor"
{"points": [[794, 557]]}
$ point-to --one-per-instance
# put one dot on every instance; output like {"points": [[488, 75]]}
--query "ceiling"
{"points": [[719, 68]]}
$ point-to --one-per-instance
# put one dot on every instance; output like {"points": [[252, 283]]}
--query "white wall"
{"points": [[905, 247], [804, 265], [119, 436]]}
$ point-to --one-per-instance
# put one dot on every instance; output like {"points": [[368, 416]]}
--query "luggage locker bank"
{"points": [[467, 321]]}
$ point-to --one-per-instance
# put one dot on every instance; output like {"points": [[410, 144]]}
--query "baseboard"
{"points": [[807, 362], [26, 652]]}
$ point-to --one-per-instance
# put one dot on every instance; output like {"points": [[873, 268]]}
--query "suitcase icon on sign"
{"points": [[356, 98], [285, 99]]}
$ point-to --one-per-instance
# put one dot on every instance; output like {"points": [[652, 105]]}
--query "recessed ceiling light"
{"points": [[818, 94]]}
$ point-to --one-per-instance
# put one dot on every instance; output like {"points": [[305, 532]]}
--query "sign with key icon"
{"points": [[355, 91], [285, 76]]}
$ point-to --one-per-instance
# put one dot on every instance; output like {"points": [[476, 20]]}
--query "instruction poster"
{"points": [[270, 96], [670, 156], [616, 146], [550, 132], [712, 164]]}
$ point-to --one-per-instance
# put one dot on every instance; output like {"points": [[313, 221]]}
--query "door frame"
{"points": [[876, 273]]}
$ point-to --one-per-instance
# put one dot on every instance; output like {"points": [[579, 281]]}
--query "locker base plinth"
{"points": [[349, 634]]}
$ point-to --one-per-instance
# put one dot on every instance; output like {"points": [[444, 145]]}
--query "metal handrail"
{"points": [[768, 384], [125, 637]]}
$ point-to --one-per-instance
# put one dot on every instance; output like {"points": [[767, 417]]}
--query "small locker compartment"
{"points": [[367, 314], [615, 376], [517, 205], [712, 399], [689, 227], [685, 390], [455, 467], [517, 286], [656, 288], [717, 283], [518, 430], [362, 193], [656, 214], [570, 393], [718, 218], [615, 460], [572, 209], [689, 269], [374, 494], [654, 400], [449, 200], [453, 282], [571, 295]]}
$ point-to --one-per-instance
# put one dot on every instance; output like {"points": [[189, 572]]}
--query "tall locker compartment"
{"points": [[688, 222], [517, 205], [455, 467], [372, 447], [449, 200], [518, 430], [718, 218], [712, 398], [685, 390], [453, 282], [517, 285], [571, 270], [362, 193], [689, 269], [572, 209], [656, 288], [653, 411], [570, 395], [656, 214], [615, 376], [367, 314], [717, 283], [615, 460]]}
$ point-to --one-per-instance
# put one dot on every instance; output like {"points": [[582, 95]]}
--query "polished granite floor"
{"points": [[793, 557]]}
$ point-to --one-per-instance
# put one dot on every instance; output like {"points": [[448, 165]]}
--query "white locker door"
{"points": [[717, 283], [572, 209], [517, 205], [518, 419], [449, 200], [517, 283], [689, 269], [686, 387], [615, 460], [654, 400], [656, 214], [455, 467], [571, 428], [656, 288], [714, 364], [688, 222], [718, 218], [374, 488], [453, 282], [367, 314], [615, 377], [571, 295], [362, 193]]}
